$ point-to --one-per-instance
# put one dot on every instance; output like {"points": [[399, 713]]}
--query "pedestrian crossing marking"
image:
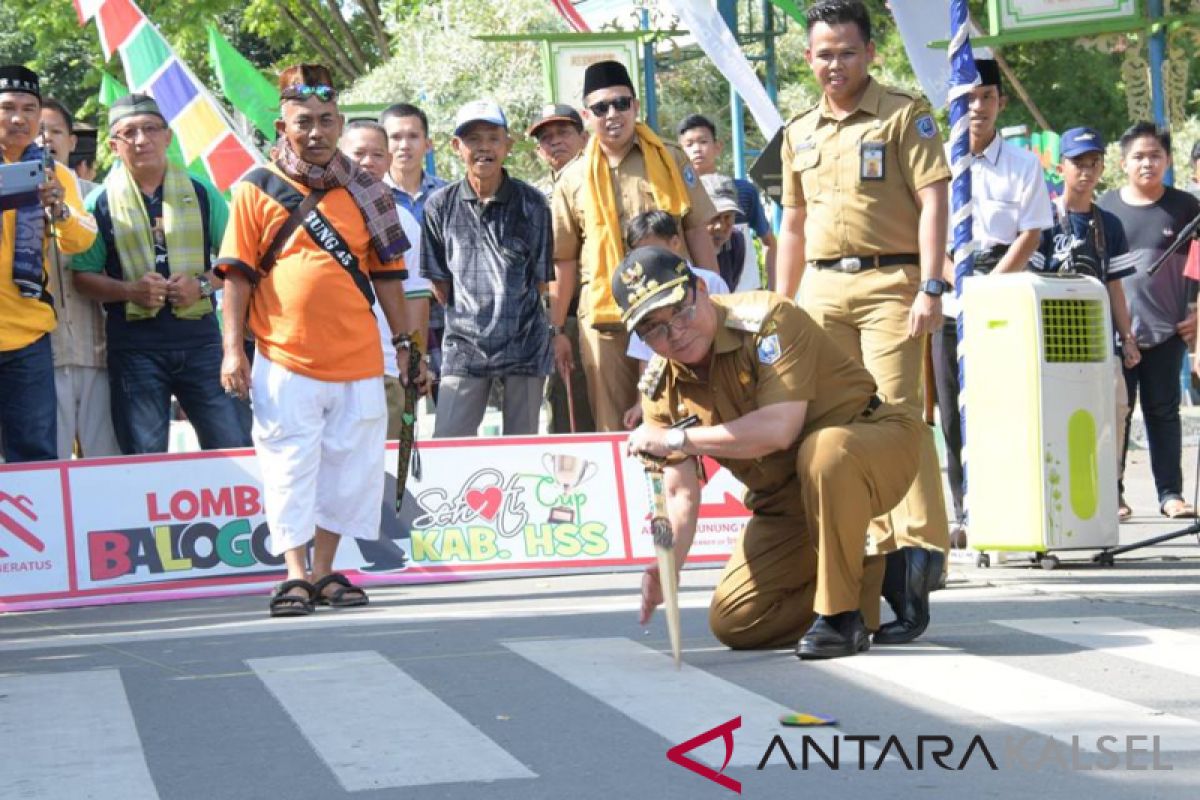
{"points": [[70, 735], [376, 727], [1146, 644], [1016, 696], [644, 685]]}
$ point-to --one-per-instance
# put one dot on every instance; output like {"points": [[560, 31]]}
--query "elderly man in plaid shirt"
{"points": [[486, 245]]}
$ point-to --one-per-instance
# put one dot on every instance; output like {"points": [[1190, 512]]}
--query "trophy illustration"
{"points": [[568, 472]]}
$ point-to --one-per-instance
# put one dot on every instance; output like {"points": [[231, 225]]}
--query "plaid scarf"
{"points": [[133, 235], [373, 197], [28, 270]]}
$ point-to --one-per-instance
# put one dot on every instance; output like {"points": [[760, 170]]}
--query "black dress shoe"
{"points": [[911, 574], [835, 637]]}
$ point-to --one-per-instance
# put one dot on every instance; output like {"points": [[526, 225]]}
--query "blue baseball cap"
{"points": [[1078, 141], [479, 111]]}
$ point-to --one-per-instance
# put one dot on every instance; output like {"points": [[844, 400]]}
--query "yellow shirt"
{"points": [[24, 320], [858, 177], [767, 350]]}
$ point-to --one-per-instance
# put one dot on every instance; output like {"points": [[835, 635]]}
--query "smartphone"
{"points": [[19, 183]]}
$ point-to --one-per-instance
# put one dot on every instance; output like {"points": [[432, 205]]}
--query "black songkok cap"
{"points": [[16, 78], [606, 74], [989, 72]]}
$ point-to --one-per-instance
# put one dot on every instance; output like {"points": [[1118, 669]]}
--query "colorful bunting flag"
{"points": [[243, 85], [202, 129]]}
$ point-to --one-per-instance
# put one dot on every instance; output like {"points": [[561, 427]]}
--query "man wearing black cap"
{"points": [[625, 170], [32, 226], [793, 418], [151, 267], [560, 137], [1010, 207]]}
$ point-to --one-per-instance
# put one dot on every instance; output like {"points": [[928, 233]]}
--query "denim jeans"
{"points": [[28, 409], [1157, 375], [142, 382]]}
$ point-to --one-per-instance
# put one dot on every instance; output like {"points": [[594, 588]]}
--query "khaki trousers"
{"points": [[780, 574], [612, 376], [867, 315], [556, 392]]}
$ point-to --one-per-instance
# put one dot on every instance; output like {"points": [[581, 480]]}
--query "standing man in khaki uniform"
{"points": [[624, 170], [864, 196], [794, 418]]}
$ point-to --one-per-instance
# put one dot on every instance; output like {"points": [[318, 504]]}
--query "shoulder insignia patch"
{"points": [[689, 175], [926, 127], [747, 318], [652, 377], [769, 350]]}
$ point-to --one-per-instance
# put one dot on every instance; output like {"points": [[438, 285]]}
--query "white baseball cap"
{"points": [[479, 111]]}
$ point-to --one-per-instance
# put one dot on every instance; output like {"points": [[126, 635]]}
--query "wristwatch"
{"points": [[676, 439], [557, 330], [934, 287], [206, 288]]}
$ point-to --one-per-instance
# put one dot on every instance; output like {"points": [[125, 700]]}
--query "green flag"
{"points": [[790, 8], [243, 85], [111, 89]]}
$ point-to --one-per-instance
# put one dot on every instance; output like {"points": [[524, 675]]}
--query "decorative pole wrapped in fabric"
{"points": [[963, 77]]}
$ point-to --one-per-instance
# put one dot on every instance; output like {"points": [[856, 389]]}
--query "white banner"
{"points": [[921, 22], [715, 38], [173, 526]]}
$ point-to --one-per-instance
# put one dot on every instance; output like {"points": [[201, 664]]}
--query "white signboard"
{"points": [[1015, 15]]}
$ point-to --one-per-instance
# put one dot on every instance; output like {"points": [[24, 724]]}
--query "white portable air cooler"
{"points": [[1040, 414]]}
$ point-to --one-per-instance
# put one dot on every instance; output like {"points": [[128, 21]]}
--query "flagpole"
{"points": [[963, 77]]}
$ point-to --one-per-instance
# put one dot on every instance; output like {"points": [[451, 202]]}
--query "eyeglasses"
{"points": [[621, 104], [678, 323], [129, 135], [302, 91]]}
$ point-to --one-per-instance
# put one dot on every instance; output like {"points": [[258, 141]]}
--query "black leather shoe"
{"points": [[911, 574], [835, 637]]}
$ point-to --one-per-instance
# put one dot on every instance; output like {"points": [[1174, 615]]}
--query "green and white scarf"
{"points": [[133, 234]]}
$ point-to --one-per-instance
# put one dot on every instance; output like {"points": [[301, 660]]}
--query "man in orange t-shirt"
{"points": [[320, 417]]}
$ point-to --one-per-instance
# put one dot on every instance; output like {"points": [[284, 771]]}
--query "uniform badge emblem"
{"points": [[768, 349], [926, 127], [689, 176]]}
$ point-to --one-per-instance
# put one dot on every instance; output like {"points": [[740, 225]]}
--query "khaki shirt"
{"points": [[78, 341], [634, 196], [767, 350], [858, 177]]}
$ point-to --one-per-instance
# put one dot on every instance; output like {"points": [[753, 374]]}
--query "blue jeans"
{"points": [[1157, 375], [28, 409], [142, 382]]}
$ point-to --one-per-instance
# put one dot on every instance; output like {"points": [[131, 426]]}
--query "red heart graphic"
{"points": [[486, 503]]}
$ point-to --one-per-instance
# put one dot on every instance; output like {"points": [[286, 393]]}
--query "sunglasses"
{"points": [[621, 104], [302, 91]]}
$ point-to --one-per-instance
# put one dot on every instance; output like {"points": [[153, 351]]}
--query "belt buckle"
{"points": [[850, 265]]}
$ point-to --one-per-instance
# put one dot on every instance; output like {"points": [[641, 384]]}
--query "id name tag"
{"points": [[871, 161]]}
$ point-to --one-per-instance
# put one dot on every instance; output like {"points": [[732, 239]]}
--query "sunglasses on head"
{"points": [[620, 104], [302, 91]]}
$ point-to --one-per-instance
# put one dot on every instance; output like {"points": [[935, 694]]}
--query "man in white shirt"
{"points": [[1010, 207]]}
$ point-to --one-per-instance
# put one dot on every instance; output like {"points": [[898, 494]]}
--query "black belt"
{"points": [[988, 258], [852, 264], [872, 404]]}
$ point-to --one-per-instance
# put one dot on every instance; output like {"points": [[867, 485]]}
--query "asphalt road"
{"points": [[547, 688]]}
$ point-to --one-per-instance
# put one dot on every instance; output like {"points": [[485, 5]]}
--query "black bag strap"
{"points": [[299, 207]]}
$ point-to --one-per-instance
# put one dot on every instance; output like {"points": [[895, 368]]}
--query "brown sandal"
{"points": [[1177, 509]]}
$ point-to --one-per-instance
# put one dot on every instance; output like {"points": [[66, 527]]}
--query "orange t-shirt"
{"points": [[306, 314]]}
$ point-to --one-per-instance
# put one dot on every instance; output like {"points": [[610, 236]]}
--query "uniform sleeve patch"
{"points": [[769, 350], [689, 176], [926, 127]]}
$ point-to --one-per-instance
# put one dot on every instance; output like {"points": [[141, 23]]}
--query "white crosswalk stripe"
{"points": [[70, 735], [392, 714], [643, 685], [75, 734]]}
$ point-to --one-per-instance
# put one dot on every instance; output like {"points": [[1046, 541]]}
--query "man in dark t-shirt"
{"points": [[1086, 240], [1152, 214]]}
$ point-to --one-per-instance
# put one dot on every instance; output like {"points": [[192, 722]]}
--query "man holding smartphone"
{"points": [[29, 231]]}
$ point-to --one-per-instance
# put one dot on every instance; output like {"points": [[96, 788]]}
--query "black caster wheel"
{"points": [[1105, 559], [1048, 562], [983, 560]]}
